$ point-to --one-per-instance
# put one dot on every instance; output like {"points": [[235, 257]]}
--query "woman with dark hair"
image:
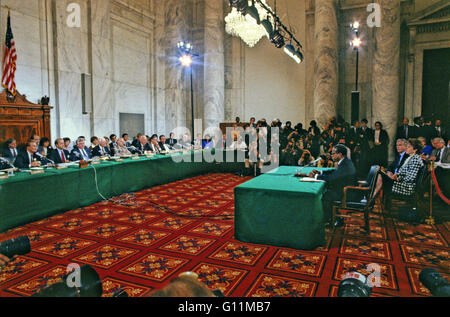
{"points": [[380, 141], [44, 147], [404, 181]]}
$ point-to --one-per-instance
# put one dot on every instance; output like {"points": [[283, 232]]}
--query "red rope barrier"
{"points": [[438, 189]]}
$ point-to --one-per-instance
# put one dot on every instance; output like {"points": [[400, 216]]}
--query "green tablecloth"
{"points": [[277, 209], [25, 198]]}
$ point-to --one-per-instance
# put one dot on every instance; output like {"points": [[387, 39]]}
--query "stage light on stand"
{"points": [[277, 39], [252, 15], [268, 28], [186, 60], [356, 42], [240, 5]]}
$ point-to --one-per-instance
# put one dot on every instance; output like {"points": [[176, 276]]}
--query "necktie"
{"points": [[14, 153], [84, 154], [406, 131], [63, 158], [438, 156]]}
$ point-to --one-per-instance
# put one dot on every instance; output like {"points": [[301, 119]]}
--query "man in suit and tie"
{"points": [[101, 149], [405, 131], [441, 153], [126, 140], [162, 143], [400, 158], [80, 152], [10, 153], [344, 175], [28, 158], [59, 154], [441, 132], [171, 141], [142, 145]]}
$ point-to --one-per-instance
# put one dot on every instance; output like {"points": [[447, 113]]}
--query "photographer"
{"points": [[305, 159]]}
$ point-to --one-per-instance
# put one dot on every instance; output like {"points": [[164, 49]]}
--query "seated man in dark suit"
{"points": [[101, 149], [162, 143], [171, 141], [80, 152], [141, 146], [344, 175], [59, 154], [28, 158], [441, 153], [400, 158], [11, 152]]}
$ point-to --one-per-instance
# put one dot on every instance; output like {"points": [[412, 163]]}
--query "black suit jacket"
{"points": [[171, 142], [76, 155], [6, 153], [98, 152], [344, 175], [22, 160], [55, 157], [401, 133], [396, 164]]}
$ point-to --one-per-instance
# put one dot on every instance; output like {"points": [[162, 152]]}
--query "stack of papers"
{"points": [[311, 180]]}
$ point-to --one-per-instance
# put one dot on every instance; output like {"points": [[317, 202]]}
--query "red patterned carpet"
{"points": [[138, 246]]}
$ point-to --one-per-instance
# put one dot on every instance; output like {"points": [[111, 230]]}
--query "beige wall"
{"points": [[275, 83]]}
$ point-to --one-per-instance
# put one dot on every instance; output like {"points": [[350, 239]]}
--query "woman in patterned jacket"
{"points": [[404, 182]]}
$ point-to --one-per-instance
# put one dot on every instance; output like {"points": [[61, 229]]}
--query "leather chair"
{"points": [[359, 198]]}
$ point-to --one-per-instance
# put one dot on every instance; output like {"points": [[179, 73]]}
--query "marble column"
{"points": [[386, 69], [214, 69], [177, 103], [325, 61]]}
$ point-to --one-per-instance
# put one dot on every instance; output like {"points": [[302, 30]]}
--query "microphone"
{"points": [[313, 162], [5, 161], [133, 148], [44, 158]]}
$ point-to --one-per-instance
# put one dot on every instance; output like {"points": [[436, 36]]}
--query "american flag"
{"points": [[9, 61]]}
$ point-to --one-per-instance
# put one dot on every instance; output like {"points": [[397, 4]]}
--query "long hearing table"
{"points": [[278, 209], [25, 198]]}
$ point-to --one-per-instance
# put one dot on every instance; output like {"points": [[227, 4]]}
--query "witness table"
{"points": [[279, 210], [25, 198]]}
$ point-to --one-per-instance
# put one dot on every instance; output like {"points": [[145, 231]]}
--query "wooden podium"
{"points": [[20, 119]]}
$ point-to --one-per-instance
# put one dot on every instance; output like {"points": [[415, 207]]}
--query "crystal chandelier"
{"points": [[244, 27]]}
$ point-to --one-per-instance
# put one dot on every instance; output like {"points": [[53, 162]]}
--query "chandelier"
{"points": [[245, 27]]}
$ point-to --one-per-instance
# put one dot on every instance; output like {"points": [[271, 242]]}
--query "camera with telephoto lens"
{"points": [[354, 284], [16, 246], [90, 286], [435, 282]]}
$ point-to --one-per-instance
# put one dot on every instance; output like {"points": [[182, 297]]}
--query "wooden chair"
{"points": [[367, 190]]}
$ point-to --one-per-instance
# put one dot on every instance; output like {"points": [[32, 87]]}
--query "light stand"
{"points": [[356, 43], [186, 59]]}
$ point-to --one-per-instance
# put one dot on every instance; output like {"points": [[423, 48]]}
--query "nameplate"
{"points": [[60, 167], [95, 162], [3, 176], [32, 172], [135, 157]]}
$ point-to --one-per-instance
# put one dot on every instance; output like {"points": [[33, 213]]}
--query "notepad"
{"points": [[311, 180]]}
